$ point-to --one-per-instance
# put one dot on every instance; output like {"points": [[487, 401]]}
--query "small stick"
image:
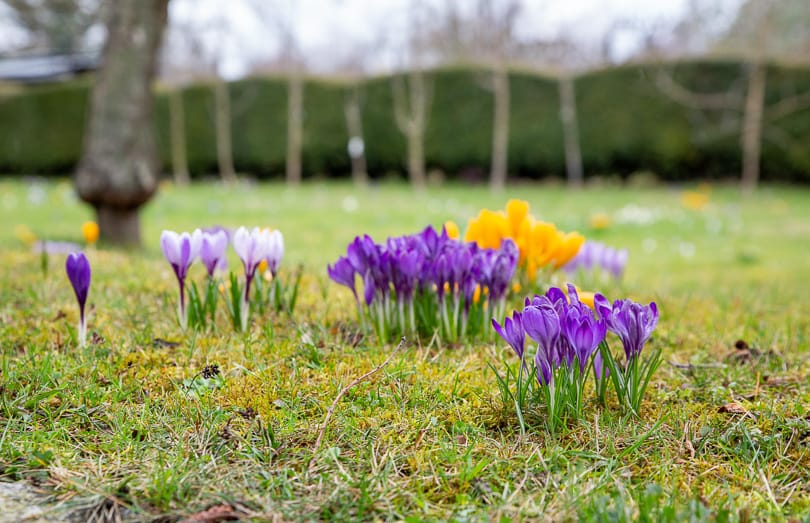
{"points": [[343, 392], [691, 366]]}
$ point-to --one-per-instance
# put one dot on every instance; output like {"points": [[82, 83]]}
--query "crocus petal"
{"points": [[78, 270], [170, 244]]}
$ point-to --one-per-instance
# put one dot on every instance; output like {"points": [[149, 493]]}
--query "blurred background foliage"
{"points": [[627, 125]]}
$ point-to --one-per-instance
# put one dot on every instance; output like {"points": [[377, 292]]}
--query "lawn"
{"points": [[130, 424]]}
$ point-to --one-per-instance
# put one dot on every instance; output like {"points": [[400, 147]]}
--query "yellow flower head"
{"points": [[452, 229], [539, 243], [262, 268], [517, 211], [695, 200], [600, 221], [568, 248], [587, 298], [25, 235], [90, 232]]}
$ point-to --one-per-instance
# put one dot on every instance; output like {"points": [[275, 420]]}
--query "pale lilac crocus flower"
{"points": [[275, 252], [213, 249], [78, 271], [180, 251], [252, 247]]}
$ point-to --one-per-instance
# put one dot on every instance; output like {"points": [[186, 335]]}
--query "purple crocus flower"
{"points": [[78, 271], [212, 251], [180, 250], [593, 255], [633, 323], [584, 333], [512, 332], [502, 269], [343, 273], [542, 323]]}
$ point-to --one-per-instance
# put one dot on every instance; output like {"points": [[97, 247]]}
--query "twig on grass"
{"points": [[692, 366], [343, 391]]}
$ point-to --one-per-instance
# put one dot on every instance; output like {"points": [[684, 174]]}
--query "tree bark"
{"points": [[222, 100], [177, 122], [751, 139], [570, 128], [500, 129], [354, 124], [295, 124], [119, 168], [410, 112]]}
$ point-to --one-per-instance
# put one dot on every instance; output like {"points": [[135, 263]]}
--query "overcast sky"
{"points": [[328, 30], [241, 32]]}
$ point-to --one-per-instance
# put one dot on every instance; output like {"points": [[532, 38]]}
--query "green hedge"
{"points": [[626, 124]]}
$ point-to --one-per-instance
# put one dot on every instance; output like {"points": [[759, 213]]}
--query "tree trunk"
{"points": [[222, 100], [354, 124], [751, 140], [295, 123], [500, 129], [410, 112], [119, 168], [570, 128], [177, 120], [416, 158]]}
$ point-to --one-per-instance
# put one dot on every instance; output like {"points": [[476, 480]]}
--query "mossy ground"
{"points": [[131, 419]]}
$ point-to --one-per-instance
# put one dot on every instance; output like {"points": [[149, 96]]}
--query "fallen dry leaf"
{"points": [[733, 408]]}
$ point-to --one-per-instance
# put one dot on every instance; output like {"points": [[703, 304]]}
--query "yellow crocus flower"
{"points": [[516, 211], [587, 298], [90, 232], [569, 247], [25, 235], [452, 229], [600, 221]]}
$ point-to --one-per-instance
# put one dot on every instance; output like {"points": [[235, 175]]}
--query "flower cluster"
{"points": [[571, 340], [595, 256], [541, 244], [210, 246], [426, 282]]}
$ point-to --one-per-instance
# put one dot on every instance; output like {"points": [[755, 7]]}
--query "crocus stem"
{"points": [[246, 302], [181, 309], [82, 329], [401, 307]]}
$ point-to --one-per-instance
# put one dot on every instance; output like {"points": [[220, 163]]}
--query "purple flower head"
{"points": [[406, 266], [602, 306], [542, 323], [584, 333], [275, 251], [78, 271], [213, 251], [558, 300], [252, 247], [512, 332], [614, 261], [368, 288], [633, 323], [430, 241], [502, 269], [545, 362], [362, 253], [180, 250], [342, 273]]}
